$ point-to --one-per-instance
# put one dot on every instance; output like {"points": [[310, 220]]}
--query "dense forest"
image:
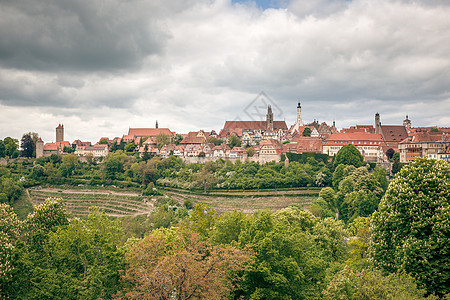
{"points": [[362, 238]]}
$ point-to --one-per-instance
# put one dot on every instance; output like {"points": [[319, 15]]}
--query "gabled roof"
{"points": [[393, 133], [149, 132], [254, 125], [355, 136]]}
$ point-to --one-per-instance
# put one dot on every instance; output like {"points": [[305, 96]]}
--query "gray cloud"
{"points": [[194, 64]]}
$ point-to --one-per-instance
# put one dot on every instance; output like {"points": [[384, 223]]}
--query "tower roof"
{"points": [[60, 126], [299, 105]]}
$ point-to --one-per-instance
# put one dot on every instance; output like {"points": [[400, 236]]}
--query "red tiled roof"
{"points": [[393, 133], [194, 138], [50, 147], [149, 132], [354, 137], [59, 126], [255, 125]]}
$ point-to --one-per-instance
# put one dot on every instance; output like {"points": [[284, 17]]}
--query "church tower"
{"points": [[407, 123], [299, 115], [269, 118], [377, 123], [156, 125], [60, 133]]}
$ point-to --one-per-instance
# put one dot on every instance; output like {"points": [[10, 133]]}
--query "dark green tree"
{"points": [[349, 155], [411, 228], [306, 132], [2, 149], [177, 138], [27, 145]]}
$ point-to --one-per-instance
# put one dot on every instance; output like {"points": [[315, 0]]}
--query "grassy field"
{"points": [[120, 203]]}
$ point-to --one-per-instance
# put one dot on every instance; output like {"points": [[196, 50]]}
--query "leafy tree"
{"points": [[103, 141], [2, 149], [307, 131], [130, 147], [205, 178], [67, 149], [11, 189], [28, 146], [9, 234], [162, 139], [234, 141], [349, 155], [389, 153], [228, 227], [250, 151], [179, 264], [201, 154], [359, 243], [214, 141], [12, 146], [202, 219], [321, 209], [177, 138], [114, 164], [68, 165], [410, 228], [371, 284]]}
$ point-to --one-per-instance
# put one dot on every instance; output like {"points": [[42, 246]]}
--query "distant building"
{"points": [[424, 144], [60, 133], [96, 150], [369, 144]]}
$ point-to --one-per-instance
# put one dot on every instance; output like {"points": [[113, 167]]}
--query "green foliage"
{"points": [[10, 190], [307, 131], [177, 139], [215, 141], [411, 228], [27, 145], [233, 141], [371, 284], [2, 149], [11, 147], [303, 157], [162, 139], [293, 250], [349, 155], [130, 147], [202, 219], [228, 227], [67, 149], [103, 141]]}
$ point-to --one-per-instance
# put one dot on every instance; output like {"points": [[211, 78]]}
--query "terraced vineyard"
{"points": [[248, 201], [78, 201]]}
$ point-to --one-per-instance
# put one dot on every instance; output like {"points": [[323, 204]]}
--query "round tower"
{"points": [[39, 148], [377, 123]]}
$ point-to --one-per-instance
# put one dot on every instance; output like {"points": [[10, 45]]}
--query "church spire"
{"points": [[156, 125], [269, 118]]}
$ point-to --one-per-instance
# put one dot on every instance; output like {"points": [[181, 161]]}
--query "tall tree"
{"points": [[2, 149], [349, 155], [306, 132], [411, 228], [12, 146], [162, 139], [234, 141]]}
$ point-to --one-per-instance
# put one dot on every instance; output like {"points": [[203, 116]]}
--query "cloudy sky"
{"points": [[102, 66]]}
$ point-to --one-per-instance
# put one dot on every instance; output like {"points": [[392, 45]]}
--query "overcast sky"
{"points": [[102, 66]]}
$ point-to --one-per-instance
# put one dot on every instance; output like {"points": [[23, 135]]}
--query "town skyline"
{"points": [[102, 67]]}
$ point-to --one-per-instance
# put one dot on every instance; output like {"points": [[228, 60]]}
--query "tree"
{"points": [[205, 178], [130, 147], [179, 264], [12, 146], [67, 149], [177, 139], [214, 141], [411, 228], [114, 164], [9, 234], [2, 149], [234, 141], [250, 151], [68, 165], [307, 131], [162, 139], [27, 145], [371, 284], [349, 155], [103, 141], [389, 153], [11, 189]]}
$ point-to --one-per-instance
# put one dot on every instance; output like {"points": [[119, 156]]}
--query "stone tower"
{"points": [[39, 148], [60, 133], [269, 118], [377, 123], [407, 123], [299, 115]]}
